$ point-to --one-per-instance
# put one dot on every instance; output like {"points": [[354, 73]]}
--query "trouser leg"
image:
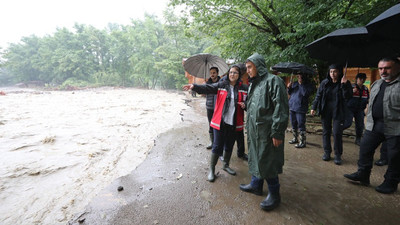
{"points": [[370, 141], [240, 143], [393, 153], [326, 133], [338, 137]]}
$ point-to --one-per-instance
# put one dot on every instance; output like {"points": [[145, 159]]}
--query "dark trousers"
{"points": [[210, 113], [384, 151], [370, 141], [327, 124], [298, 120], [240, 143], [224, 139], [358, 119]]}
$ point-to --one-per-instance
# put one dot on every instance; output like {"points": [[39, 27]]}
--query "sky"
{"points": [[20, 18]]}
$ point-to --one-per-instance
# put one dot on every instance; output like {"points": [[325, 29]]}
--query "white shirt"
{"points": [[231, 110]]}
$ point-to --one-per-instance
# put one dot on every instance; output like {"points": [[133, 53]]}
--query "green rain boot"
{"points": [[227, 158], [213, 162], [211, 142]]}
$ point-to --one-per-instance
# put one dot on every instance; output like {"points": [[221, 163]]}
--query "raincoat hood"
{"points": [[334, 66], [259, 62]]}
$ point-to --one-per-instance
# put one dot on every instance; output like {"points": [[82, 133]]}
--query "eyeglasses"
{"points": [[233, 72]]}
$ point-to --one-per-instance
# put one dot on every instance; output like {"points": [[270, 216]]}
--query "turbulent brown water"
{"points": [[59, 149]]}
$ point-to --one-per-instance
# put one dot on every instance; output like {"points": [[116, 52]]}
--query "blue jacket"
{"points": [[299, 95]]}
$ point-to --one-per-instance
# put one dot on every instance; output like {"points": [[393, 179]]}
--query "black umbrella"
{"points": [[199, 65], [387, 25], [353, 47], [293, 68]]}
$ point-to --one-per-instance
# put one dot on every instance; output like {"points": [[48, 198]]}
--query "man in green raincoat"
{"points": [[267, 120]]}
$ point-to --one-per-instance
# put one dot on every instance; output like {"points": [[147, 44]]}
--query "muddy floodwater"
{"points": [[60, 148]]}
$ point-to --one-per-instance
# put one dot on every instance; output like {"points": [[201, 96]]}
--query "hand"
{"points": [[242, 105], [289, 85], [187, 87], [354, 89], [344, 79], [312, 112], [276, 142]]}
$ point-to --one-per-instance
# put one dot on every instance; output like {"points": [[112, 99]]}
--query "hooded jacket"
{"points": [[344, 93], [222, 89], [267, 118]]}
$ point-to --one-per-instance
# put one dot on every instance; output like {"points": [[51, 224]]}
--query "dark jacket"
{"points": [[344, 93], [210, 98], [360, 98], [267, 118], [299, 95], [222, 89]]}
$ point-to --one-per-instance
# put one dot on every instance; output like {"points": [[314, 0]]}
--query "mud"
{"points": [[170, 187]]}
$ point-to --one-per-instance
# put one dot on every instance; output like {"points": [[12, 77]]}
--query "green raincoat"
{"points": [[267, 118]]}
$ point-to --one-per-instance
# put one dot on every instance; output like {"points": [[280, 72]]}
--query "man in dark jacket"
{"points": [[356, 106], [267, 119], [299, 92], [382, 125], [210, 102]]}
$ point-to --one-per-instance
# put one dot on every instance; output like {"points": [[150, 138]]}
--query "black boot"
{"points": [[381, 162], [360, 175], [273, 199], [358, 141], [302, 143], [255, 186], [213, 162], [295, 136], [211, 141], [227, 158], [387, 187], [337, 160], [326, 156]]}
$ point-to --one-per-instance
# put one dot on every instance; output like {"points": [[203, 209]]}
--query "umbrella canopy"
{"points": [[199, 65], [386, 25], [352, 47], [293, 68]]}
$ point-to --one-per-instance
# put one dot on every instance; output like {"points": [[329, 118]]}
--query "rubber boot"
{"points": [[295, 136], [213, 162], [227, 158], [360, 175], [273, 198], [255, 186], [211, 141], [302, 143]]}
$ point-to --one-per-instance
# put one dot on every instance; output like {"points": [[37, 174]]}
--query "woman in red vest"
{"points": [[228, 115]]}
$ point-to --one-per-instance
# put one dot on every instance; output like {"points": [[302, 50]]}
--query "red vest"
{"points": [[219, 108]]}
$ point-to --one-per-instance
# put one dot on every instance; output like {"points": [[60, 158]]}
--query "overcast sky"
{"points": [[20, 18]]}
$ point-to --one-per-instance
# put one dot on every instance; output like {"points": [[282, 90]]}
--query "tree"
{"points": [[277, 29]]}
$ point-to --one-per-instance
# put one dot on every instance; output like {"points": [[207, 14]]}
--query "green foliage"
{"points": [[145, 53], [277, 29], [149, 53]]}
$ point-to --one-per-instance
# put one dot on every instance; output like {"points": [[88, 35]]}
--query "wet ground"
{"points": [[170, 187]]}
